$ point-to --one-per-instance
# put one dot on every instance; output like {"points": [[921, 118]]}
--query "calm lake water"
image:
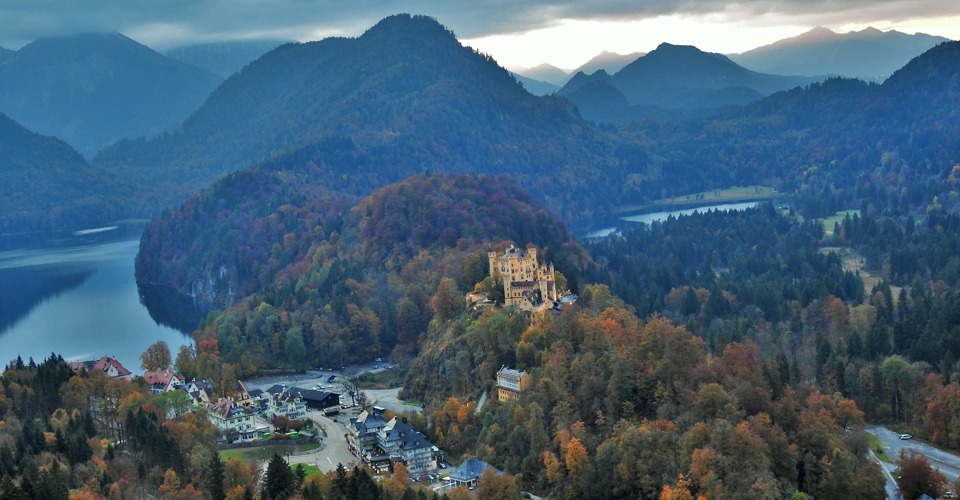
{"points": [[77, 297], [662, 216]]}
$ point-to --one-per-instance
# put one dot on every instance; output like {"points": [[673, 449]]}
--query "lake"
{"points": [[651, 217], [76, 296]]}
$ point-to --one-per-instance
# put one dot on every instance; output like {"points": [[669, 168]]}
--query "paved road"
{"points": [[893, 490], [946, 462], [334, 450], [389, 399]]}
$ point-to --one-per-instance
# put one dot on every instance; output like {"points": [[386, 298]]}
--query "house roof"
{"points": [[410, 438], [101, 365], [471, 470], [162, 378], [510, 371], [367, 422], [306, 395]]}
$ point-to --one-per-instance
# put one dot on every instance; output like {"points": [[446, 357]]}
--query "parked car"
{"points": [[905, 436]]}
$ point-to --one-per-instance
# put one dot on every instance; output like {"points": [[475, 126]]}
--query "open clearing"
{"points": [[734, 194]]}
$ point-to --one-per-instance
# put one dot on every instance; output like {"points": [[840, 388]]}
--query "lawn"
{"points": [[836, 218], [261, 453], [309, 469], [716, 196]]}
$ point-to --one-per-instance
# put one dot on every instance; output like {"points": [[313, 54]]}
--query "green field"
{"points": [[309, 469], [836, 218], [258, 454], [386, 379], [734, 194], [878, 448]]}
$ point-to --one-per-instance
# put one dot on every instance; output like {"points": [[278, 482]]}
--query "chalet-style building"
{"points": [[201, 390], [106, 365], [235, 422], [402, 443], [527, 284], [379, 443], [284, 403], [510, 383], [468, 474], [163, 381], [362, 438]]}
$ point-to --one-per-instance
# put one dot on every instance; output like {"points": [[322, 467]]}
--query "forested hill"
{"points": [[318, 282], [835, 133], [405, 84], [48, 186], [93, 89]]}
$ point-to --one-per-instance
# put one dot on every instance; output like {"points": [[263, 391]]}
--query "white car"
{"points": [[905, 436]]}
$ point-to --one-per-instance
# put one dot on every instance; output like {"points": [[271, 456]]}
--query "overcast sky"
{"points": [[515, 32]]}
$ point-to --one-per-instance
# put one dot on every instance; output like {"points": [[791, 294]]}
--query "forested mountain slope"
{"points": [[838, 132], [91, 90], [49, 186], [406, 84]]}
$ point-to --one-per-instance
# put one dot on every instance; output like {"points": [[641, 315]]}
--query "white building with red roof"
{"points": [[163, 381], [106, 365]]}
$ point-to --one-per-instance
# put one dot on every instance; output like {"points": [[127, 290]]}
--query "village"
{"points": [[327, 408]]}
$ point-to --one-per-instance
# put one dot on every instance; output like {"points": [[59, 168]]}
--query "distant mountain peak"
{"points": [[415, 26]]}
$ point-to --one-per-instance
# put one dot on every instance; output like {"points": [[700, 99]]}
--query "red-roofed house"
{"points": [[163, 381], [105, 365]]}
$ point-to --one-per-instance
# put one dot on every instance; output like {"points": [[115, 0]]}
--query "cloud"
{"points": [[166, 23]]}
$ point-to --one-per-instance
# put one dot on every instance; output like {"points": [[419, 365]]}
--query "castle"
{"points": [[526, 284]]}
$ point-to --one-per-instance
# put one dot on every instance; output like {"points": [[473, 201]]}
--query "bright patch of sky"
{"points": [[571, 42]]}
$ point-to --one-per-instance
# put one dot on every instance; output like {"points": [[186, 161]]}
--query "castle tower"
{"points": [[526, 284]]}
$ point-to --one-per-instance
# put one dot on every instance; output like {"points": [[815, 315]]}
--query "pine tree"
{"points": [[214, 478], [280, 481]]}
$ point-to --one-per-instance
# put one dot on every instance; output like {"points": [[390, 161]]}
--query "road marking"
{"points": [[331, 461]]}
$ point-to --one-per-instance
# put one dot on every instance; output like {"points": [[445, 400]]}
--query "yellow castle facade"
{"points": [[527, 284]]}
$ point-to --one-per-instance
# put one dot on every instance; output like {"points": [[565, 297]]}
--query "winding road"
{"points": [[947, 463]]}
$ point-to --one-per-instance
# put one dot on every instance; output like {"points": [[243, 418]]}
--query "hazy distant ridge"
{"points": [[870, 53], [94, 89], [672, 77], [223, 58]]}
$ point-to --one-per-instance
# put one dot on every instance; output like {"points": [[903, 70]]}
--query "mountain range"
{"points": [[546, 79], [407, 98], [671, 77], [406, 92], [91, 90], [868, 54]]}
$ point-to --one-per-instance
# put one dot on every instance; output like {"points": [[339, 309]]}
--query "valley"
{"points": [[342, 202]]}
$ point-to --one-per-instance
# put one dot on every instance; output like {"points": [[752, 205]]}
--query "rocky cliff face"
{"points": [[215, 289]]}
